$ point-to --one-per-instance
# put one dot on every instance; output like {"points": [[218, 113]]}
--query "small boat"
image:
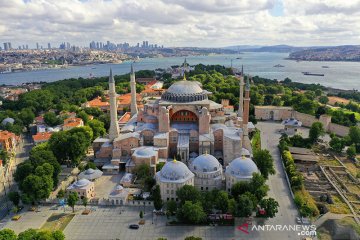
{"points": [[238, 58], [325, 66], [279, 65], [313, 74], [93, 68]]}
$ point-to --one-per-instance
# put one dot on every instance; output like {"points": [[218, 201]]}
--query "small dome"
{"points": [[205, 163], [82, 183], [242, 168], [174, 171], [119, 188], [8, 120], [89, 171]]}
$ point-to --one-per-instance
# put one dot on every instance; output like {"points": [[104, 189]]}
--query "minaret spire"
{"points": [[134, 109], [241, 93], [114, 125]]}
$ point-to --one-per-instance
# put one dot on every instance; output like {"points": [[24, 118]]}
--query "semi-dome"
{"points": [[205, 163], [185, 91], [242, 168], [175, 171]]}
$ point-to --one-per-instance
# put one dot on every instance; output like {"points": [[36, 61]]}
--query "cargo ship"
{"points": [[313, 74]]}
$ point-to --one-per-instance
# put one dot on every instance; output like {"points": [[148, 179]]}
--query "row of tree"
{"points": [[31, 234]]}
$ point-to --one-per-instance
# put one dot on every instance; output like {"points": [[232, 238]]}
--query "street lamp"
{"points": [[144, 207]]}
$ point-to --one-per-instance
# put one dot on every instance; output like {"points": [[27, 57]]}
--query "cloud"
{"points": [[205, 23]]}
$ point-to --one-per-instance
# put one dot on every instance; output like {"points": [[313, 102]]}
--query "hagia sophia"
{"points": [[200, 141]]}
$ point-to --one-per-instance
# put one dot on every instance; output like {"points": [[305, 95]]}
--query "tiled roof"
{"points": [[44, 136]]}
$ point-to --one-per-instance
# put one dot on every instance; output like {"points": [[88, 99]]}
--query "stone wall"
{"points": [[282, 113]]}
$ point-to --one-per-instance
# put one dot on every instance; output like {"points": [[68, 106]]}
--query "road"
{"points": [[279, 189], [22, 153]]}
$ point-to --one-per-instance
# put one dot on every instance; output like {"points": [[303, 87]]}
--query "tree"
{"points": [[27, 116], [83, 115], [240, 188], [58, 235], [14, 197], [85, 202], [351, 151], [28, 234], [270, 206], [38, 186], [264, 162], [159, 166], [91, 165], [51, 119], [354, 135], [142, 170], [171, 207], [193, 238], [61, 194], [97, 128], [7, 234], [188, 193], [191, 213], [232, 206], [244, 206], [4, 155], [141, 214], [323, 99], [158, 203], [221, 199], [72, 200], [258, 186], [41, 154], [316, 130], [337, 144]]}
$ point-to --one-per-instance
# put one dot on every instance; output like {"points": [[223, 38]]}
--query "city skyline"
{"points": [[176, 24]]}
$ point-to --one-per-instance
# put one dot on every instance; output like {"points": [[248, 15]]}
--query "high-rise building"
{"points": [[92, 45], [97, 45], [23, 46], [37, 46], [49, 46], [9, 44], [68, 46], [27, 46], [6, 47]]}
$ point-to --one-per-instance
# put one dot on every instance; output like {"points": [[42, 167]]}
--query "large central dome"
{"points": [[185, 91]]}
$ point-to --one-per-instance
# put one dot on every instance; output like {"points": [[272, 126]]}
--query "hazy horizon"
{"points": [[172, 23]]}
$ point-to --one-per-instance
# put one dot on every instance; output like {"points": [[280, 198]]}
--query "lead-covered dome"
{"points": [[185, 91], [174, 171], [242, 168], [205, 163]]}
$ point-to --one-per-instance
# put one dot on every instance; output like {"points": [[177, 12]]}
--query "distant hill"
{"points": [[338, 53], [274, 48]]}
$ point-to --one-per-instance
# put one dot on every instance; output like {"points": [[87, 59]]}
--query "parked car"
{"points": [[298, 220], [134, 226]]}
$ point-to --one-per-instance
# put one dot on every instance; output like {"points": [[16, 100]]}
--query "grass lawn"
{"points": [[57, 221]]}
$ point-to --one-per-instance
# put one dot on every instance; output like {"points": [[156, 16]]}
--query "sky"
{"points": [[179, 23]]}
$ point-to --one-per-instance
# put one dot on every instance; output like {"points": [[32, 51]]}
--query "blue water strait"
{"points": [[343, 75]]}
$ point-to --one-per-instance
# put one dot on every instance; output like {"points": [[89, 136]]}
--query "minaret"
{"points": [[114, 125], [134, 109], [241, 96], [246, 140]]}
